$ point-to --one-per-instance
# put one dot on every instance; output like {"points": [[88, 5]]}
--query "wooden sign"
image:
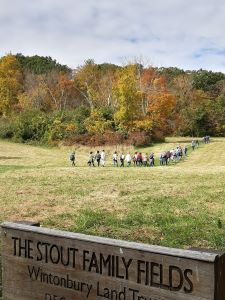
{"points": [[40, 263]]}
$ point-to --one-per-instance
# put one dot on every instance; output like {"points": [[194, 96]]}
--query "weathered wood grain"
{"points": [[40, 263]]}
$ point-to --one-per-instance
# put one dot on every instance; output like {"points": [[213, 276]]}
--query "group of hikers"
{"points": [[173, 155], [206, 139], [195, 143], [139, 159]]}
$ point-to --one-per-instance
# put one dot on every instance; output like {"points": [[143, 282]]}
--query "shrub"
{"points": [[30, 125], [158, 136], [110, 138], [6, 128], [98, 122], [114, 138], [77, 117], [56, 131], [139, 138]]}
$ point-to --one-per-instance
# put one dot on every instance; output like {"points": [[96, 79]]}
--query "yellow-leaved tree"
{"points": [[127, 98], [10, 83]]}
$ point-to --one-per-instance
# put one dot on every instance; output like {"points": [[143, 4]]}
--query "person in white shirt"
{"points": [[103, 158], [128, 159], [145, 160]]}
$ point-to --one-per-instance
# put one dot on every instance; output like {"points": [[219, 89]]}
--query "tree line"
{"points": [[44, 101]]}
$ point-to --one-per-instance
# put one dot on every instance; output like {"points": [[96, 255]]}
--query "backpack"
{"points": [[72, 156]]}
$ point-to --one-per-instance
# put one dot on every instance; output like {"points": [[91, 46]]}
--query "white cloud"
{"points": [[166, 33]]}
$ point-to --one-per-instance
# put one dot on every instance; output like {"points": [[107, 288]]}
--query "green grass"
{"points": [[181, 205]]}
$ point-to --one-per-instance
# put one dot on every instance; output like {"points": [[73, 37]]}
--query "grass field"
{"points": [[181, 205]]}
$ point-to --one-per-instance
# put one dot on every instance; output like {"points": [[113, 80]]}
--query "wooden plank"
{"points": [[40, 263], [30, 223], [201, 255], [220, 277]]}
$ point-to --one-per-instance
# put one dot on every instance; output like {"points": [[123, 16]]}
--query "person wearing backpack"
{"points": [[72, 159], [91, 159], [98, 158]]}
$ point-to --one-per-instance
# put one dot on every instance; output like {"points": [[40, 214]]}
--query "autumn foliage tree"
{"points": [[10, 83], [95, 83], [35, 95], [160, 110], [156, 101], [59, 88], [127, 98], [53, 91], [192, 108], [43, 100]]}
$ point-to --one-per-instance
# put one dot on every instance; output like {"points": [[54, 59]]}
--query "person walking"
{"points": [[103, 158], [161, 159], [128, 159], [91, 159], [122, 157], [115, 159], [72, 159], [164, 158], [145, 160], [135, 159], [151, 160], [139, 159], [98, 158]]}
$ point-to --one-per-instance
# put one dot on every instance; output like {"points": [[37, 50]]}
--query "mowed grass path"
{"points": [[181, 205]]}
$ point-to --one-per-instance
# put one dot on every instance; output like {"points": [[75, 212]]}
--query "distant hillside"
{"points": [[40, 64]]}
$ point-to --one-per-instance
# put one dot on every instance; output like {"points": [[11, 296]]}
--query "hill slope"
{"points": [[180, 205]]}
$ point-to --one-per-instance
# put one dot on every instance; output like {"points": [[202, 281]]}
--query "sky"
{"points": [[188, 34]]}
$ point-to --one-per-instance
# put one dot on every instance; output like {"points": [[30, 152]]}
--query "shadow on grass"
{"points": [[6, 168], [9, 157]]}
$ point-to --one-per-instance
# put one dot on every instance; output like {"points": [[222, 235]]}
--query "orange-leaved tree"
{"points": [[161, 104]]}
